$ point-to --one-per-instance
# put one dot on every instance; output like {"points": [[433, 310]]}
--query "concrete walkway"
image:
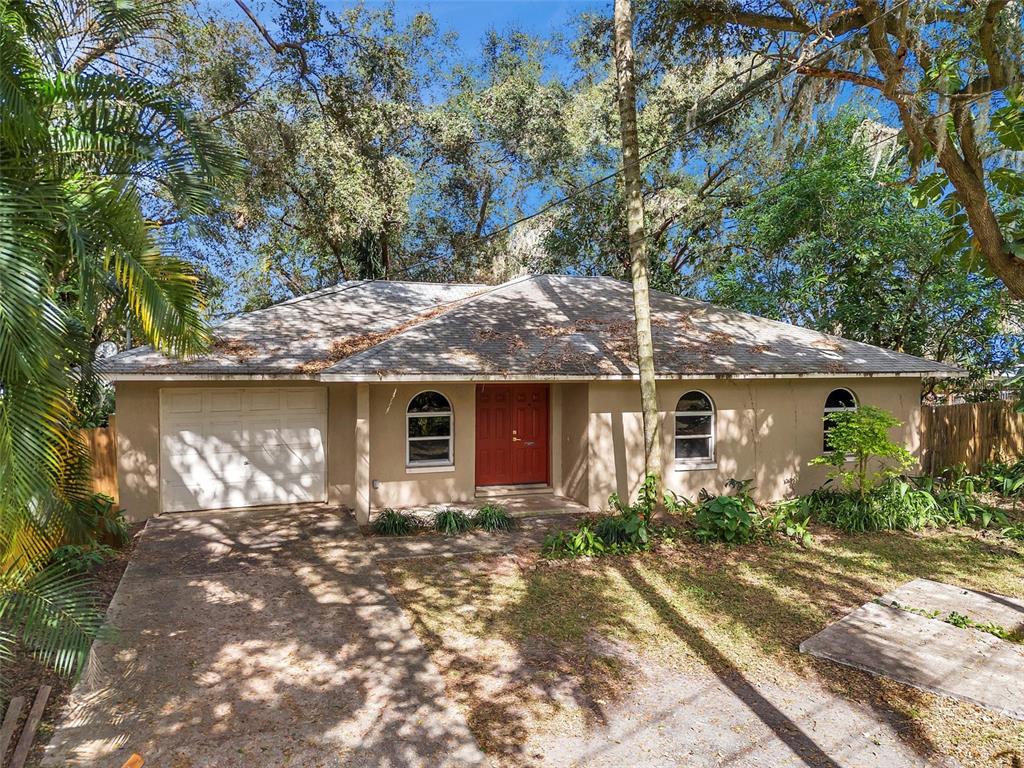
{"points": [[891, 637], [259, 639]]}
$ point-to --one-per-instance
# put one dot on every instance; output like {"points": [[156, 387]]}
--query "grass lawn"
{"points": [[531, 649]]}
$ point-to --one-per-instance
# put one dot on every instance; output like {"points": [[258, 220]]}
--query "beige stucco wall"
{"points": [[575, 416], [398, 486], [766, 430]]}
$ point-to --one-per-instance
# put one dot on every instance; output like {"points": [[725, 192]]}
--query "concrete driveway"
{"points": [[259, 639]]}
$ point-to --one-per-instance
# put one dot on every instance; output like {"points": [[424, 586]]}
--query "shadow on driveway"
{"points": [[259, 638]]}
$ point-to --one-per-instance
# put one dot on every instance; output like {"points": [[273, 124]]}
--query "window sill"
{"points": [[690, 466], [423, 469]]}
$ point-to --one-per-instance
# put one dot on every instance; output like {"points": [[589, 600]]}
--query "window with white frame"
{"points": [[428, 431], [695, 429], [838, 401]]}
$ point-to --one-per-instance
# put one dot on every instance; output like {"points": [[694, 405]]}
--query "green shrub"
{"points": [[862, 437], [628, 529], [905, 503], [493, 517], [956, 495], [789, 519], [729, 518], [82, 558], [646, 500], [391, 522], [581, 542], [452, 521], [102, 521], [1004, 479]]}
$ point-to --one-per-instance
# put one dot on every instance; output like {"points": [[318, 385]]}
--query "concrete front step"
{"points": [[501, 491]]}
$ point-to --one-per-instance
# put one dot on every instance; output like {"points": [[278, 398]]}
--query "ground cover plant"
{"points": [[391, 522], [627, 528], [452, 521], [493, 517]]}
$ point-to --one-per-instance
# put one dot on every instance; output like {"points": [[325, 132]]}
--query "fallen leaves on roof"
{"points": [[346, 346]]}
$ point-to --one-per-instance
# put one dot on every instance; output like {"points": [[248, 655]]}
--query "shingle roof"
{"points": [[543, 326], [295, 336]]}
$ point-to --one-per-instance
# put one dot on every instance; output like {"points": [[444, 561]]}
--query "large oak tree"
{"points": [[949, 72]]}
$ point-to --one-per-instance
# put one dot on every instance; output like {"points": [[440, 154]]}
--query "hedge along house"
{"points": [[387, 394]]}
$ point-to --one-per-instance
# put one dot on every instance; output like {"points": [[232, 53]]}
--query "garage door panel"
{"points": [[269, 400], [309, 400], [229, 400], [186, 401], [237, 450]]}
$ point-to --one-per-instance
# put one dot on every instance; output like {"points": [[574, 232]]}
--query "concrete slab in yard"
{"points": [[930, 654], [982, 607]]}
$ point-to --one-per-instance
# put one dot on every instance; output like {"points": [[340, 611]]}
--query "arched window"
{"points": [[428, 431], [838, 400], [695, 428]]}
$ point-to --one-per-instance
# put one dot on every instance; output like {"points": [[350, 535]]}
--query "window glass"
{"points": [[695, 428], [838, 400], [429, 430]]}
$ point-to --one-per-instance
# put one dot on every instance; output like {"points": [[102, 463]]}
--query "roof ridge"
{"points": [[455, 304], [419, 321]]}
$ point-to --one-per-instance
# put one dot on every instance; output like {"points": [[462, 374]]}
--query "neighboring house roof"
{"points": [[541, 326]]}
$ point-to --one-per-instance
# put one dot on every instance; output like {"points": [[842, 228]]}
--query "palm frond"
{"points": [[52, 612]]}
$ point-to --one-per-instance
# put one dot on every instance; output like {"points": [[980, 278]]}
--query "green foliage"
{"points": [[90, 154], [838, 247], [581, 542], [1004, 478], [452, 521], [391, 522], [789, 519], [646, 500], [48, 609], [493, 517], [862, 437], [732, 519], [82, 558], [629, 528], [1015, 532], [904, 503]]}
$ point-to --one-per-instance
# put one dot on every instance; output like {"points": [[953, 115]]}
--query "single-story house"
{"points": [[375, 394]]}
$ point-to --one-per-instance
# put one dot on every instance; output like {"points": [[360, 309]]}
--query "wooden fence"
{"points": [[971, 434], [102, 445]]}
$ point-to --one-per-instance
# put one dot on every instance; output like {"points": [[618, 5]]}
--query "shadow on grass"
{"points": [[716, 603]]}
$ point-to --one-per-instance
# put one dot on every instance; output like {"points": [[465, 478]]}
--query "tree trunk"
{"points": [[970, 190], [635, 226]]}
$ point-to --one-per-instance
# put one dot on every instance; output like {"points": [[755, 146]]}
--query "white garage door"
{"points": [[241, 447]]}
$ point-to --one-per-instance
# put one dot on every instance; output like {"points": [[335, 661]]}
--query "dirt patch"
{"points": [[24, 674]]}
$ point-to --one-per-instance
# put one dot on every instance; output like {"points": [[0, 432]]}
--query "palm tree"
{"points": [[85, 150]]}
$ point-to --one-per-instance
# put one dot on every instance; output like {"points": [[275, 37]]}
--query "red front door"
{"points": [[511, 434]]}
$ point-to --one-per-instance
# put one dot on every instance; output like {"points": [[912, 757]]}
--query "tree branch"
{"points": [[841, 74]]}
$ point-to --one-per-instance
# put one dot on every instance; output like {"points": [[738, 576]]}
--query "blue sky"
{"points": [[471, 19]]}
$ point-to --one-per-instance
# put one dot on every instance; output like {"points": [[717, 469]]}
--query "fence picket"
{"points": [[970, 433]]}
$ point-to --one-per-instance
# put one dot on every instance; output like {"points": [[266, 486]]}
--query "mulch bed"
{"points": [[25, 675]]}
